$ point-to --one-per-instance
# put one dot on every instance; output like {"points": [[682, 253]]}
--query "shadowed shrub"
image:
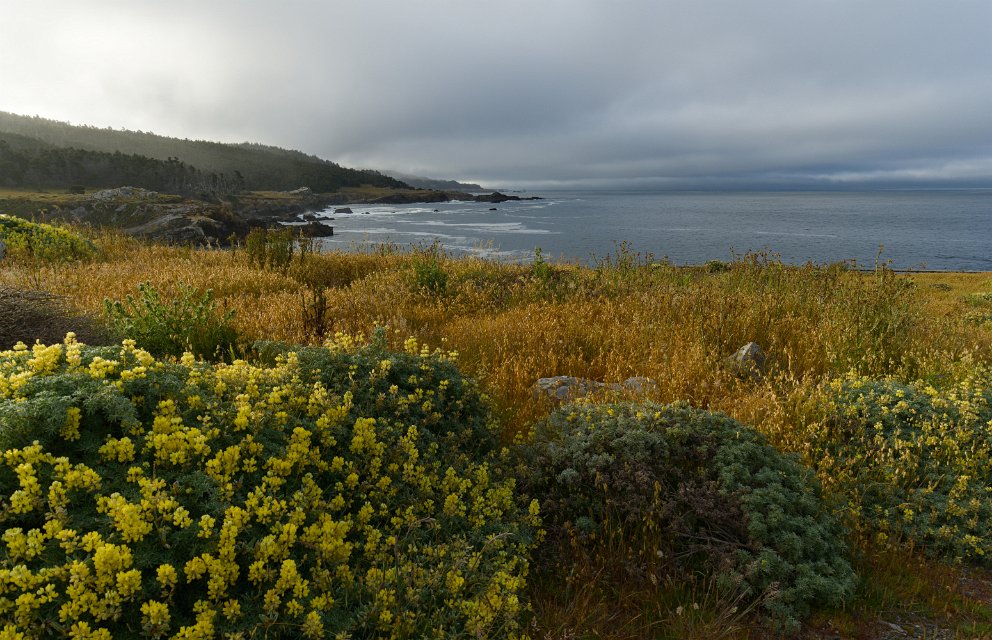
{"points": [[30, 316], [691, 492]]}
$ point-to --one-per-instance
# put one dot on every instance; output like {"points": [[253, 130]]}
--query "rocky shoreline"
{"points": [[215, 219]]}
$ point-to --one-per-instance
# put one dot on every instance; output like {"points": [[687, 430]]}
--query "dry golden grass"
{"points": [[512, 324]]}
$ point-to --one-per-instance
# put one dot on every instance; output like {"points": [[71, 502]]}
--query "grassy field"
{"points": [[626, 316]]}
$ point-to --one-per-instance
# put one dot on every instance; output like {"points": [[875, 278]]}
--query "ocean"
{"points": [[927, 229]]}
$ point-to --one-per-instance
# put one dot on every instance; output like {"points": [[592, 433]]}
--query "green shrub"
{"points": [[429, 276], [716, 266], [191, 322], [693, 492], [337, 492], [42, 242], [911, 464]]}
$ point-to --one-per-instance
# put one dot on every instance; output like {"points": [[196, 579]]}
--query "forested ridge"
{"points": [[38, 152], [28, 162]]}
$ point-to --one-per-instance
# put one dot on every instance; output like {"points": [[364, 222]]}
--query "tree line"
{"points": [[25, 163], [198, 164]]}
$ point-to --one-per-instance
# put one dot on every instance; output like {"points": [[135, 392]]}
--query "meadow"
{"points": [[877, 382]]}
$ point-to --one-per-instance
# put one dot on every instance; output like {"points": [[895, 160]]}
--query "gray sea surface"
{"points": [[926, 229]]}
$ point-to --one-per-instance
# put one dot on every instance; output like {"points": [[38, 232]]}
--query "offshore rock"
{"points": [[314, 229], [496, 197]]}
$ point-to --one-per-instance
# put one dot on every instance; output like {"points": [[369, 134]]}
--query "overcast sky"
{"points": [[534, 93]]}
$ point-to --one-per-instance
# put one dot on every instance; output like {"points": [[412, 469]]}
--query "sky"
{"points": [[536, 93]]}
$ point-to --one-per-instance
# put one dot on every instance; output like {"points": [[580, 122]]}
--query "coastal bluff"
{"points": [[211, 219]]}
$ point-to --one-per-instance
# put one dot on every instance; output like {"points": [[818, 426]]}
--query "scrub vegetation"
{"points": [[228, 468]]}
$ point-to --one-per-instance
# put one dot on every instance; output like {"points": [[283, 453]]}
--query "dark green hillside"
{"points": [[252, 166], [29, 162]]}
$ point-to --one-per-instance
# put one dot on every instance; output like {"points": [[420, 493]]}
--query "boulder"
{"points": [[749, 361]]}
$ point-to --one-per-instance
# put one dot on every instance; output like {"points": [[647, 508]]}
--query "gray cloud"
{"points": [[660, 93]]}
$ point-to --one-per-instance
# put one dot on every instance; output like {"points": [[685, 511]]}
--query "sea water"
{"points": [[926, 229]]}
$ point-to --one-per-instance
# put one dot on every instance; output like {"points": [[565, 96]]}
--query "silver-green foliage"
{"points": [[697, 489]]}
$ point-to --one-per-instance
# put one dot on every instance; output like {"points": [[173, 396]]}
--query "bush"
{"points": [[692, 491], [42, 242], [338, 492], [716, 266], [190, 322], [270, 248], [911, 464]]}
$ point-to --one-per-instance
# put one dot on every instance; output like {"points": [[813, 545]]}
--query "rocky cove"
{"points": [[212, 219]]}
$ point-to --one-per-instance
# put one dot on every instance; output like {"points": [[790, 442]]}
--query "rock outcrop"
{"points": [[214, 218], [568, 388]]}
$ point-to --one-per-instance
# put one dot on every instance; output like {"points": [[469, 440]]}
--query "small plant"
{"points": [[315, 308], [683, 492], [428, 274], [270, 248], [190, 322], [279, 247], [540, 270], [255, 247]]}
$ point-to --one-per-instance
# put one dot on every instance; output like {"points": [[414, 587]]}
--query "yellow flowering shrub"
{"points": [[343, 491], [911, 462], [43, 242]]}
